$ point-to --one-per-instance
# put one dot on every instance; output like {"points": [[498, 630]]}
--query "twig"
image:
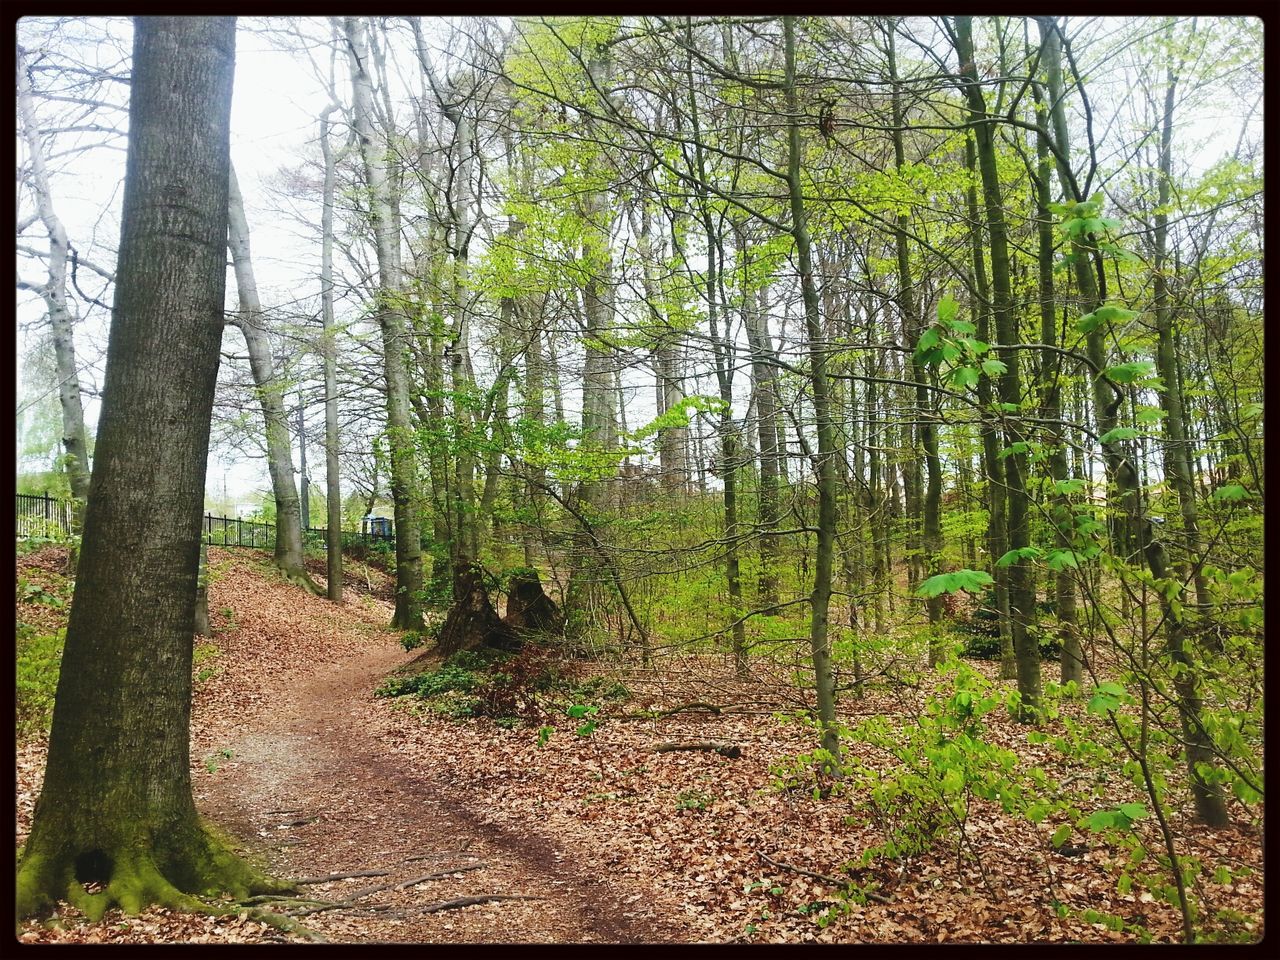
{"points": [[343, 876], [469, 901], [441, 873], [730, 750], [395, 885], [834, 881]]}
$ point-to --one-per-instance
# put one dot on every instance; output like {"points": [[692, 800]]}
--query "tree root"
{"points": [[132, 875], [306, 881]]}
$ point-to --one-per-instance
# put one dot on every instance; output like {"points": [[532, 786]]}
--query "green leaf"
{"points": [[1119, 433], [963, 377], [1131, 372], [1061, 559], [928, 340], [1108, 313], [1134, 811], [994, 368], [974, 581], [1149, 415], [948, 308], [1067, 487], [1021, 553], [1231, 492], [1101, 820], [1019, 447]]}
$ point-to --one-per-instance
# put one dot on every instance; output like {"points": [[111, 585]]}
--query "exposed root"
{"points": [[134, 876]]}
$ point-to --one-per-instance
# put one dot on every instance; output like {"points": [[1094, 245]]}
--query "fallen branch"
{"points": [[834, 881], [343, 876], [441, 873], [730, 750], [461, 902], [352, 901]]}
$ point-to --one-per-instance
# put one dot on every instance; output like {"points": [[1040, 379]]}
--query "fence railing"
{"points": [[43, 516], [46, 516]]}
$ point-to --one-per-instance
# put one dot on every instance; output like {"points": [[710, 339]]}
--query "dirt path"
{"points": [[319, 794]]}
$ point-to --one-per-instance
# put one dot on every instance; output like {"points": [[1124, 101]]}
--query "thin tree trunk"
{"points": [[270, 389], [400, 436], [333, 488], [824, 466], [75, 441], [992, 464], [1071, 660], [1021, 600], [1207, 795], [930, 503]]}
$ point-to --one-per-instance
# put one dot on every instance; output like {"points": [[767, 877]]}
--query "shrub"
{"points": [[39, 659]]}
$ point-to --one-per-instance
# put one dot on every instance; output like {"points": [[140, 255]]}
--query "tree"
{"points": [[381, 210], [116, 807], [270, 388]]}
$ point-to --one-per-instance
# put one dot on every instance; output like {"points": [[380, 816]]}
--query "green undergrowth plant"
{"points": [[527, 686], [39, 657]]}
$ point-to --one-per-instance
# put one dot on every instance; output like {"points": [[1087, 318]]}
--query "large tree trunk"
{"points": [[54, 293], [270, 389], [116, 806], [824, 465], [400, 436], [1021, 598]]}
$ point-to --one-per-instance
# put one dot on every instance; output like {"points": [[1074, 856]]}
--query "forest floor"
{"points": [[592, 838]]}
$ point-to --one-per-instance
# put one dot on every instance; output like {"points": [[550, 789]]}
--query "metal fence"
{"points": [[46, 516], [43, 516]]}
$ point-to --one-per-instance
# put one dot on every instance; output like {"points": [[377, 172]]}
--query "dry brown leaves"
{"points": [[671, 836]]}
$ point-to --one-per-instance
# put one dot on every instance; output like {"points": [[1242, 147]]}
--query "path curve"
{"points": [[314, 792]]}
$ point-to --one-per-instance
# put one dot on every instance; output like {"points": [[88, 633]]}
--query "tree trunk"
{"points": [[333, 487], [1207, 795], [763, 373], [270, 389], [930, 499], [1072, 661], [1021, 600], [116, 807], [400, 436], [824, 465], [75, 441], [992, 464]]}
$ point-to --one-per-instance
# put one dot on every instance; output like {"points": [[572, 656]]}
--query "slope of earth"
{"points": [[284, 759], [610, 840]]}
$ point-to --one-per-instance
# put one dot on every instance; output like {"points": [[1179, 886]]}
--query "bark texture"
{"points": [[116, 806]]}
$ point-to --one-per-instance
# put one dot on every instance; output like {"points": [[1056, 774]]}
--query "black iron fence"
{"points": [[43, 516], [46, 516]]}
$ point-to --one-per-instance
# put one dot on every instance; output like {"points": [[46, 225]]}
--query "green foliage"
{"points": [[972, 581], [694, 800], [39, 657], [943, 765]]}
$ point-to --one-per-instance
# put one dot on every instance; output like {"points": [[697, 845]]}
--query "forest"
{"points": [[785, 479]]}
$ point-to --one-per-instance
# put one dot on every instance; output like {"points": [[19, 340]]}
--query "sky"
{"points": [[276, 103]]}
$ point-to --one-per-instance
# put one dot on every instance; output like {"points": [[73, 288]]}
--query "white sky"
{"points": [[274, 122]]}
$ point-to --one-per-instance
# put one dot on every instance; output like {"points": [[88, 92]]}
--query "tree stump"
{"points": [[529, 609], [472, 622]]}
